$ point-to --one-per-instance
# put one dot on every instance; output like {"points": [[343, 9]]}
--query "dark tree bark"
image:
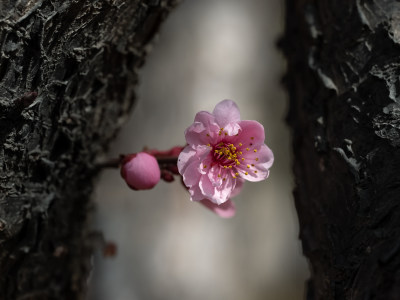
{"points": [[68, 69], [343, 82]]}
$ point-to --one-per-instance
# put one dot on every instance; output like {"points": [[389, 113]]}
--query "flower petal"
{"points": [[226, 112], [232, 129], [252, 132], [216, 175], [195, 134], [205, 118], [256, 164], [185, 158], [192, 174], [217, 194], [206, 164], [224, 210], [238, 187], [265, 157], [195, 193], [203, 131]]}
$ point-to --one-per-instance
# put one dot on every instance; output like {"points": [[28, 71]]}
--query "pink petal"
{"points": [[207, 188], [206, 163], [224, 210], [196, 134], [265, 157], [185, 158], [217, 194], [232, 129], [213, 175], [253, 177], [262, 161], [238, 187], [203, 131], [192, 174], [226, 112], [252, 133], [225, 190], [205, 118], [195, 193]]}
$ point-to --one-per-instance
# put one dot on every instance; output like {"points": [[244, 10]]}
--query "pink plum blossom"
{"points": [[140, 171], [222, 152]]}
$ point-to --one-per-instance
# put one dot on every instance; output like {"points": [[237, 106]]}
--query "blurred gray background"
{"points": [[169, 247]]}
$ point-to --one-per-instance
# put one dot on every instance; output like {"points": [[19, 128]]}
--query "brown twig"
{"points": [[116, 162]]}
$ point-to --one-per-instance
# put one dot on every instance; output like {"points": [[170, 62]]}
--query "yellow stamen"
{"points": [[230, 167], [245, 173], [208, 145], [248, 166], [225, 167], [240, 144], [247, 149], [255, 150], [208, 134], [237, 174], [242, 158], [219, 175], [255, 171], [233, 176], [226, 133], [256, 158]]}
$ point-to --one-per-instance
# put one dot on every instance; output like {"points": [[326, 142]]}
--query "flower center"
{"points": [[227, 155]]}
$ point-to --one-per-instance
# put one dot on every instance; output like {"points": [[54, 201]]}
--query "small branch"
{"points": [[167, 160], [116, 162]]}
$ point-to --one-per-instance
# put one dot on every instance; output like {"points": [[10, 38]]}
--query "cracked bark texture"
{"points": [[343, 83], [68, 69]]}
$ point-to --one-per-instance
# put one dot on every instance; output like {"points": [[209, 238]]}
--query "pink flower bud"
{"points": [[140, 171]]}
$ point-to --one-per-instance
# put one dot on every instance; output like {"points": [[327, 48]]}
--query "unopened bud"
{"points": [[140, 171]]}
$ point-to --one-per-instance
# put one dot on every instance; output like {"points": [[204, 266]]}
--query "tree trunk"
{"points": [[67, 74], [343, 82]]}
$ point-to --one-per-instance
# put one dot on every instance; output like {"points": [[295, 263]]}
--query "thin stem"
{"points": [[116, 162], [167, 160]]}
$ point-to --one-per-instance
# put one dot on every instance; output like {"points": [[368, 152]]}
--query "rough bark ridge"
{"points": [[67, 73], [343, 82]]}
